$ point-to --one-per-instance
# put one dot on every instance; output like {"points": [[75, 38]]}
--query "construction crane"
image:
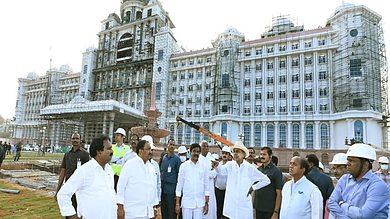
{"points": [[205, 132]]}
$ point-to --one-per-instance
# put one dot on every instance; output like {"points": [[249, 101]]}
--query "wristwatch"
{"points": [[341, 203]]}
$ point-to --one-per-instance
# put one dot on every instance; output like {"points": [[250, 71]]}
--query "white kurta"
{"points": [[212, 213], [95, 194], [239, 180], [137, 188], [301, 199]]}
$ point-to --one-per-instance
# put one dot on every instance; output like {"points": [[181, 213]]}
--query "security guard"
{"points": [[119, 149]]}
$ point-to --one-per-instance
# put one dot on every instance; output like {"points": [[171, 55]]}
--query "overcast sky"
{"points": [[32, 31]]}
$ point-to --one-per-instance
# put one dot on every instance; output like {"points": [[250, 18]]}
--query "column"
{"points": [[289, 135], [111, 128], [104, 123], [317, 135], [331, 134], [264, 134], [276, 135], [365, 133], [302, 138]]}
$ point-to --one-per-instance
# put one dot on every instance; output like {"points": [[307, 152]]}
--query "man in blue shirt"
{"points": [[360, 194], [169, 172]]}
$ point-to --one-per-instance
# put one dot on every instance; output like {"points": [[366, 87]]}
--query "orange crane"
{"points": [[205, 132]]}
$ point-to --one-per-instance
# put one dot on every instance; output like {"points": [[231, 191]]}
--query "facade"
{"points": [[290, 89]]}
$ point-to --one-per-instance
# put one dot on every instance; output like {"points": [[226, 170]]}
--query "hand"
{"points": [[250, 191], [206, 209], [214, 164], [120, 212], [177, 209], [275, 216]]}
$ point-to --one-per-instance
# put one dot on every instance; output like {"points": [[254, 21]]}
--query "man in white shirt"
{"points": [[220, 182], [242, 179], [93, 184], [137, 186], [155, 166], [193, 183], [300, 197]]}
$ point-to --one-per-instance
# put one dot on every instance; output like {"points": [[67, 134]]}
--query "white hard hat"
{"points": [[120, 131], [362, 151], [241, 146], [320, 165], [149, 139], [182, 150], [339, 158], [215, 156], [226, 149], [383, 160]]}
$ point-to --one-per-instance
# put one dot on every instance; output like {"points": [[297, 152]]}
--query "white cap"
{"points": [[362, 151], [383, 160], [149, 139], [226, 149], [339, 158], [241, 146], [320, 165], [182, 149], [120, 131]]}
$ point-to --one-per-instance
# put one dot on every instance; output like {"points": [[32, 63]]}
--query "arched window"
{"points": [[197, 136], [125, 48], [138, 15], [282, 136], [188, 135], [309, 136], [224, 130], [180, 134], [295, 135], [258, 135], [172, 130], [358, 127], [270, 135], [324, 136], [247, 135], [207, 127]]}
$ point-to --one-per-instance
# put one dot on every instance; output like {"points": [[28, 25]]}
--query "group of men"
{"points": [[7, 149], [125, 182]]}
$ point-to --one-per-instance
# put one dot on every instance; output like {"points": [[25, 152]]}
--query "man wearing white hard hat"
{"points": [[360, 194], [383, 171], [182, 153], [242, 179], [339, 165], [220, 182], [120, 149]]}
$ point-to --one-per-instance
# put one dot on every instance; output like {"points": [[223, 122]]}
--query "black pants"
{"points": [[263, 215], [168, 206], [116, 178], [220, 197]]}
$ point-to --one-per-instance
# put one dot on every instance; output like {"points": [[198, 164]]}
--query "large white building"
{"points": [[291, 88]]}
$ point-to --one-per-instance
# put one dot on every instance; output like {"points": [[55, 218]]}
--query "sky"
{"points": [[34, 31]]}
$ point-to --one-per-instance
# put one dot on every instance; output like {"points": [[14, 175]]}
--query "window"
{"points": [[295, 135], [321, 42], [189, 100], [247, 83], [308, 76], [206, 112], [282, 79], [160, 55], [270, 135], [258, 81], [208, 59], [183, 63], [247, 97], [182, 76], [247, 134], [181, 88], [270, 49], [270, 109], [295, 62], [190, 75], [248, 53], [258, 109], [282, 109], [258, 67], [247, 110], [308, 44], [295, 108], [197, 114], [197, 136], [282, 136], [207, 127], [358, 127], [357, 103], [308, 108], [198, 87], [208, 86], [181, 101], [190, 87], [270, 95], [270, 80], [295, 93], [224, 129], [295, 78], [188, 135], [282, 64], [224, 109], [225, 80], [308, 92], [191, 62], [85, 69], [199, 75], [324, 136], [247, 68], [294, 46], [200, 61], [270, 65], [180, 134], [175, 64], [158, 90], [208, 73], [258, 135], [355, 68], [322, 75], [321, 59], [282, 48], [282, 94], [174, 77], [323, 92], [172, 130], [259, 51], [309, 136], [258, 96], [323, 107], [308, 61]]}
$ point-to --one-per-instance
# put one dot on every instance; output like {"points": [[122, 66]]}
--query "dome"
{"points": [[32, 76], [66, 68]]}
